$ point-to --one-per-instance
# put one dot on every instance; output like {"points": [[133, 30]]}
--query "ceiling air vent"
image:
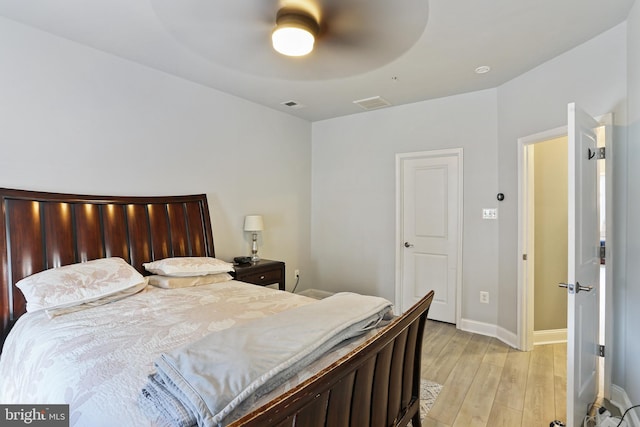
{"points": [[292, 104], [372, 103]]}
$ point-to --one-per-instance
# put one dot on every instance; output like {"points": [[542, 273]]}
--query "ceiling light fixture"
{"points": [[295, 32]]}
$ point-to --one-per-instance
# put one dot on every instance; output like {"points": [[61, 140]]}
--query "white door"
{"points": [[584, 267], [429, 230]]}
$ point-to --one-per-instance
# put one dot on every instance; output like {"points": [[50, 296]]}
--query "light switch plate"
{"points": [[490, 213]]}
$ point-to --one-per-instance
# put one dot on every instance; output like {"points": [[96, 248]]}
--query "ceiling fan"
{"points": [[348, 37]]}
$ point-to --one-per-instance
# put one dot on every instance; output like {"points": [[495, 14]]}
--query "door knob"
{"points": [[408, 245], [575, 288]]}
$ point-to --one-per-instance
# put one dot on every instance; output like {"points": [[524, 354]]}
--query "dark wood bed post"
{"points": [[43, 230], [5, 289]]}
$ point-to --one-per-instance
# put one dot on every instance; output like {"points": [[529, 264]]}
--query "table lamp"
{"points": [[254, 224]]}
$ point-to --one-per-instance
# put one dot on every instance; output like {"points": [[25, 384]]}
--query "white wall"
{"points": [[354, 199], [73, 119], [353, 194], [628, 376], [592, 75]]}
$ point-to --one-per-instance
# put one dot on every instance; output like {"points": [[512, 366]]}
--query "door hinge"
{"points": [[601, 350], [600, 153]]}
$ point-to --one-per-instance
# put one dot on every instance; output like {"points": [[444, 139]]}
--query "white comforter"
{"points": [[210, 381], [98, 360]]}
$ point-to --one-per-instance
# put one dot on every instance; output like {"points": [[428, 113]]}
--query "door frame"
{"points": [[607, 122], [525, 233], [399, 240], [525, 242]]}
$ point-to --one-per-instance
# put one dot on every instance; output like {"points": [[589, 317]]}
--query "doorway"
{"points": [[548, 181], [527, 227]]}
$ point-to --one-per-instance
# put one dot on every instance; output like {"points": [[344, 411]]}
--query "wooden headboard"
{"points": [[46, 230]]}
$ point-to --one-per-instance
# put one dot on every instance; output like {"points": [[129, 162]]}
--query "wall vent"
{"points": [[292, 104], [372, 103]]}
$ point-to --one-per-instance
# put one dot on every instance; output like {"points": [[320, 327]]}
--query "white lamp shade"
{"points": [[253, 223], [292, 41], [295, 32]]}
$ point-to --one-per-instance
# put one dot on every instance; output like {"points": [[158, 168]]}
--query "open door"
{"points": [[584, 267]]}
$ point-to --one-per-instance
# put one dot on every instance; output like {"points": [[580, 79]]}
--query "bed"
{"points": [[370, 381]]}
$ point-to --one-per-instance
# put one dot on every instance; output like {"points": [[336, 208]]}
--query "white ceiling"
{"points": [[402, 50]]}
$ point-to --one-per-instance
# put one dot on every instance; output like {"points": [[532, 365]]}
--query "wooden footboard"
{"points": [[377, 384]]}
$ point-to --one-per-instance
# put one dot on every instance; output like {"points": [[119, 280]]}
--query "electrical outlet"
{"points": [[484, 297], [297, 273]]}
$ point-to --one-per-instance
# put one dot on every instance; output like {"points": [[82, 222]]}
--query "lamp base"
{"points": [[254, 249]]}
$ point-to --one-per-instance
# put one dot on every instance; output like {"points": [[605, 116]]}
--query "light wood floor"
{"points": [[487, 383]]}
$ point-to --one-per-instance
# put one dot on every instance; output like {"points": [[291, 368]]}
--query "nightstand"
{"points": [[264, 272]]}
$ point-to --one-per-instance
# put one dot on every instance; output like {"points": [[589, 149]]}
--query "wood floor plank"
{"points": [[431, 331], [503, 416], [478, 401], [434, 328], [496, 352], [436, 336], [430, 422], [459, 380], [543, 355], [560, 380], [539, 402], [513, 382], [447, 359]]}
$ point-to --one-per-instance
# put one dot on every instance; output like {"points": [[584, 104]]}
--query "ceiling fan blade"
{"points": [[355, 35]]}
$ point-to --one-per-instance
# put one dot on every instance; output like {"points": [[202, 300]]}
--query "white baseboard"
{"points": [[549, 336], [489, 330], [621, 400], [508, 337]]}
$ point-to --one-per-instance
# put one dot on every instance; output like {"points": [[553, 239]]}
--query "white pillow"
{"points": [[65, 309], [188, 266], [169, 282], [78, 283]]}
